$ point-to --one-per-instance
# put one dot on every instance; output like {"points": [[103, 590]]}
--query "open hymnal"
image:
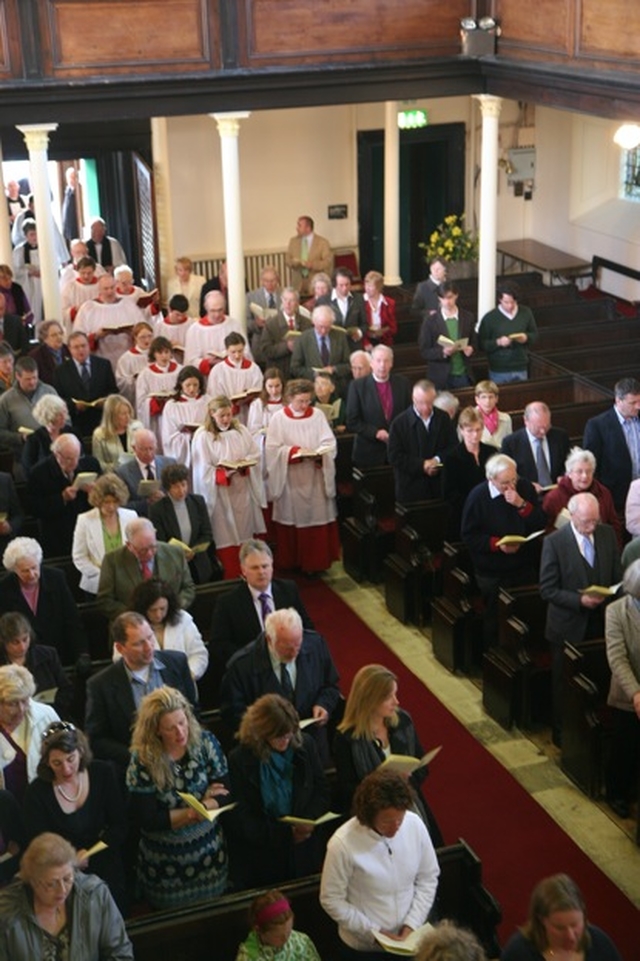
{"points": [[98, 402], [306, 452], [238, 464], [599, 590], [304, 313], [196, 549], [148, 487], [147, 299], [405, 764], [244, 395], [263, 313], [409, 945], [564, 517], [458, 344], [330, 411], [25, 430], [46, 697], [84, 479], [518, 538], [307, 722], [516, 336], [329, 816], [198, 806]]}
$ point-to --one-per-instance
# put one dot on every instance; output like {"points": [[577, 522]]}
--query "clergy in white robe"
{"points": [[134, 360], [26, 268], [108, 322], [155, 385], [183, 414], [236, 377], [300, 451], [234, 496]]}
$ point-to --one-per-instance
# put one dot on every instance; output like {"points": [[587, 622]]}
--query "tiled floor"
{"points": [[606, 840]]}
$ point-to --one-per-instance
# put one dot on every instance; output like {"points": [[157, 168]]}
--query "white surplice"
{"points": [[127, 370], [153, 379], [175, 442], [94, 316], [227, 379]]}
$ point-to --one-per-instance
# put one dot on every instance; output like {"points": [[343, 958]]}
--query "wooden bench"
{"points": [[456, 616], [585, 715], [368, 535], [411, 572], [216, 928], [589, 334]]}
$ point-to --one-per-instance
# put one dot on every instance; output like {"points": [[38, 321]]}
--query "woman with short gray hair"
{"points": [[52, 414], [579, 477]]}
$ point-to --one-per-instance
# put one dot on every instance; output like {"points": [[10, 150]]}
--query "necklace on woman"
{"points": [[73, 799]]}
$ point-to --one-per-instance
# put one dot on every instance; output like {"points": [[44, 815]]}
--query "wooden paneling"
{"points": [[104, 37], [546, 27], [279, 32], [10, 52], [610, 30]]}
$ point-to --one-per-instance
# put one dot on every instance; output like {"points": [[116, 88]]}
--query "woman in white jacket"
{"points": [[101, 529], [23, 722]]}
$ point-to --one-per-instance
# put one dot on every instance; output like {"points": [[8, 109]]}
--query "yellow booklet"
{"points": [[518, 538], [25, 431], [599, 590], [409, 946], [198, 806], [405, 764], [329, 816], [196, 549], [96, 848], [306, 452], [238, 464], [98, 402]]}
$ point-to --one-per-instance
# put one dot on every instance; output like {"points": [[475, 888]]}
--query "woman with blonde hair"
{"points": [[22, 724], [112, 441], [101, 529], [275, 772], [497, 424], [381, 313], [226, 472], [373, 727], [182, 856], [463, 467], [186, 283]]}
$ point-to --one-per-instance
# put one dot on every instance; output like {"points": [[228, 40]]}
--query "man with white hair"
{"points": [[142, 558], [105, 250], [372, 403], [146, 464], [204, 343], [108, 321], [325, 348], [58, 495], [360, 364], [284, 659]]}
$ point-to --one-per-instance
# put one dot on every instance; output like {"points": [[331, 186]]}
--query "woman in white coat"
{"points": [[23, 722], [101, 529]]}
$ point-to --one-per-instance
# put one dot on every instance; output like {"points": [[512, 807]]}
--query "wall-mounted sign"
{"points": [[338, 211], [412, 119]]}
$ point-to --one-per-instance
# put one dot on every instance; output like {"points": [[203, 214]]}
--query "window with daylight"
{"points": [[631, 174]]}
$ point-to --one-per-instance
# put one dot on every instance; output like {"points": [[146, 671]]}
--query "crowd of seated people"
{"points": [[224, 452]]}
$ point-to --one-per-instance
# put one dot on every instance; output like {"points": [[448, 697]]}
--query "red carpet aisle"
{"points": [[473, 796]]}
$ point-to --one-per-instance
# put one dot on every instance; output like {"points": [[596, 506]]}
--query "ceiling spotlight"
{"points": [[487, 23], [627, 136], [468, 23]]}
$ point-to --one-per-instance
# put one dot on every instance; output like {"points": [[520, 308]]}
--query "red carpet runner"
{"points": [[473, 796]]}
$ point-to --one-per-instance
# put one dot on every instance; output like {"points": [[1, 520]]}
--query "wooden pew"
{"points": [[368, 535], [585, 715], [412, 571], [202, 610], [579, 335], [456, 616], [191, 933]]}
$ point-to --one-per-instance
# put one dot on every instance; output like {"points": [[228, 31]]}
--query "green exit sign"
{"points": [[412, 119]]}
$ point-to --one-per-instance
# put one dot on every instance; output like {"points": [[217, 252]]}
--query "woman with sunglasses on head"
{"points": [[54, 912], [78, 798]]}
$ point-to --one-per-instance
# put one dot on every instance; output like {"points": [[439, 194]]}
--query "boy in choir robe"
{"points": [[155, 385]]}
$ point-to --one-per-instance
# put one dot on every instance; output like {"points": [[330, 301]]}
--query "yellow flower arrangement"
{"points": [[451, 241]]}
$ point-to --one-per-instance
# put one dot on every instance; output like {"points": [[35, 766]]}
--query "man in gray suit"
{"points": [[579, 555], [267, 298], [144, 465], [141, 558], [322, 348], [281, 332]]}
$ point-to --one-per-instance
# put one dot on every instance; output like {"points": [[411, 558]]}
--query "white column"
{"points": [[36, 137], [490, 107], [391, 195], [229, 129], [5, 227], [162, 199]]}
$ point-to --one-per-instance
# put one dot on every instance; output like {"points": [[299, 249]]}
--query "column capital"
{"points": [[489, 105], [36, 135], [229, 123]]}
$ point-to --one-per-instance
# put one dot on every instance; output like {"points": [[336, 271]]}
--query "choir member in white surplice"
{"points": [[300, 451], [134, 360], [262, 411], [108, 321], [155, 384], [204, 345], [236, 375], [176, 324], [83, 286], [234, 496], [186, 409], [145, 301]]}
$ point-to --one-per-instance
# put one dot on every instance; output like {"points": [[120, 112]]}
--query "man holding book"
{"points": [[538, 449], [447, 341]]}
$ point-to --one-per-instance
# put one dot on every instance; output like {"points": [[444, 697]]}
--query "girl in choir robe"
{"points": [[300, 452], [261, 411], [82, 287], [183, 414], [134, 360], [226, 471], [176, 324], [155, 385], [236, 377]]}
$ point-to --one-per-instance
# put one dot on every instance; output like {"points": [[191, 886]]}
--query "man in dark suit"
{"points": [[448, 367], [578, 555], [348, 307], [71, 206], [12, 330], [426, 295], [539, 450], [240, 614], [276, 347], [84, 379], [322, 348], [178, 508], [419, 440], [614, 438], [144, 465], [373, 402], [284, 659], [140, 559], [55, 498], [11, 508], [114, 694]]}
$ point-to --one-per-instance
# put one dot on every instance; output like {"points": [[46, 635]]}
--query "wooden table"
{"points": [[532, 253]]}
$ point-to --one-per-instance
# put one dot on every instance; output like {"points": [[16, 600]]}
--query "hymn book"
{"points": [[329, 816], [518, 538], [599, 590], [84, 479], [405, 764], [458, 344], [196, 549], [408, 946], [198, 806]]}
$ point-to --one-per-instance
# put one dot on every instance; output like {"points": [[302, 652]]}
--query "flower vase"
{"points": [[462, 269]]}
